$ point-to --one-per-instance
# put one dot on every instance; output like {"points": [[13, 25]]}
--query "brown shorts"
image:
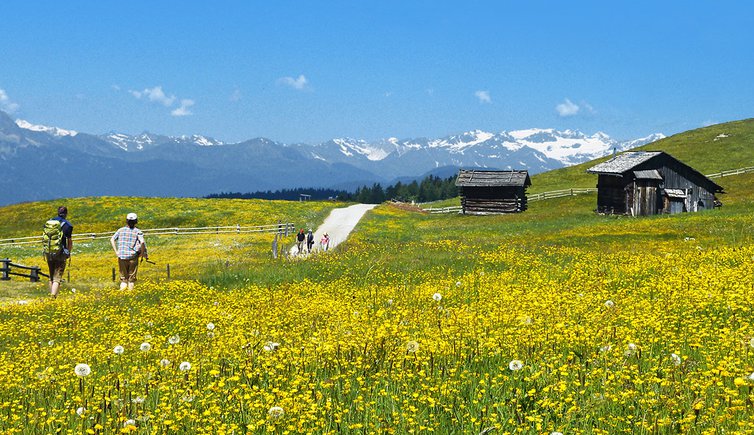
{"points": [[56, 263], [128, 269]]}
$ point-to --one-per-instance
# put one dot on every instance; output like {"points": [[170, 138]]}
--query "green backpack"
{"points": [[52, 237]]}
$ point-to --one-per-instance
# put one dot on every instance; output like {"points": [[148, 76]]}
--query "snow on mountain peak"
{"points": [[55, 131], [350, 146]]}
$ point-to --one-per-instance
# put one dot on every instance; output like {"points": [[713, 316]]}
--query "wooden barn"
{"points": [[644, 183], [488, 192]]}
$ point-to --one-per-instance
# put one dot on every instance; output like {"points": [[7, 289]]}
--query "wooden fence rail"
{"points": [[6, 270], [731, 172], [561, 193], [282, 228]]}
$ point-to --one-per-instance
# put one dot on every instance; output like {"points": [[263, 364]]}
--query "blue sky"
{"points": [[308, 71]]}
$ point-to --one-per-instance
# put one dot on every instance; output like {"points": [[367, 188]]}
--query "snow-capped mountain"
{"points": [[146, 140], [83, 164], [54, 131], [534, 149]]}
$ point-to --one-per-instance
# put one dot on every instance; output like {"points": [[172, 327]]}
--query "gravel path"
{"points": [[338, 226]]}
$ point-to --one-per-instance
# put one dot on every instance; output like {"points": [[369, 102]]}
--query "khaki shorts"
{"points": [[56, 263], [128, 269]]}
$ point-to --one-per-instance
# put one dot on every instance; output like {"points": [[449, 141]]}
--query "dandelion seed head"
{"points": [[80, 411], [174, 339], [210, 326], [145, 347], [412, 347], [515, 365], [437, 297], [164, 362], [118, 350], [185, 366], [82, 370], [609, 303], [275, 412], [675, 359]]}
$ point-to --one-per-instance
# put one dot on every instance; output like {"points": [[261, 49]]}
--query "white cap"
{"points": [[131, 217]]}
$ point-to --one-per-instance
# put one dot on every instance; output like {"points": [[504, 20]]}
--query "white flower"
{"points": [[185, 366], [630, 349], [751, 342], [73, 290], [138, 400], [118, 350], [82, 370], [51, 343], [412, 347], [80, 410], [609, 303], [145, 347], [164, 362], [270, 346], [389, 302], [23, 302], [275, 412], [676, 359], [458, 283], [437, 297], [210, 326], [174, 339], [556, 433], [751, 377], [605, 348], [515, 365], [129, 422]]}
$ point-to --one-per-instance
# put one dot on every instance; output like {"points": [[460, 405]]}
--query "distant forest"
{"points": [[431, 188]]}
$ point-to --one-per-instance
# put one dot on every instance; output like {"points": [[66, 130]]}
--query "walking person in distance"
{"points": [[129, 244], [309, 241], [300, 237], [57, 238]]}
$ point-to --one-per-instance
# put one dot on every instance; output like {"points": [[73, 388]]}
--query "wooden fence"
{"points": [[561, 193], [731, 172], [281, 228], [6, 270]]}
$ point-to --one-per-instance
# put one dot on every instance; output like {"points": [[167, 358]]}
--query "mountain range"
{"points": [[40, 162]]}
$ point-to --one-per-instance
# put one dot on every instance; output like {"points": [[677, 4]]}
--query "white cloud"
{"points": [[183, 110], [299, 83], [6, 104], [567, 108], [155, 94], [483, 96]]}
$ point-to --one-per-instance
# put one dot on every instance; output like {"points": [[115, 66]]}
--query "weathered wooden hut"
{"points": [[643, 183], [487, 192]]}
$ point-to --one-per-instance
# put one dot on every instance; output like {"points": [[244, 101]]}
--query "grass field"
{"points": [[552, 320]]}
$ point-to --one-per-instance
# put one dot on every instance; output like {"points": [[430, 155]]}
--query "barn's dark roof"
{"points": [[475, 178], [623, 162]]}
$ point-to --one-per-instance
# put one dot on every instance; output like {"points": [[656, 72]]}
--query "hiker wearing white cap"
{"points": [[129, 244]]}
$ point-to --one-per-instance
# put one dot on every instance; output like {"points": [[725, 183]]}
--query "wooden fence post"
{"points": [[113, 274], [5, 269], [168, 270], [34, 274]]}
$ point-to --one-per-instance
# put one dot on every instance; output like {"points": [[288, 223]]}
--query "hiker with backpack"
{"points": [[57, 245], [129, 244]]}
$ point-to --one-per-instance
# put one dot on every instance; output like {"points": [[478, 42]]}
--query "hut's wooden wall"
{"points": [[489, 200]]}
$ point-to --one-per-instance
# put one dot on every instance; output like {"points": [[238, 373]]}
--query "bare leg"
{"points": [[54, 287]]}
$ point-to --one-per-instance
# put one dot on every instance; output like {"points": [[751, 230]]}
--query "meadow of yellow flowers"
{"points": [[536, 323]]}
